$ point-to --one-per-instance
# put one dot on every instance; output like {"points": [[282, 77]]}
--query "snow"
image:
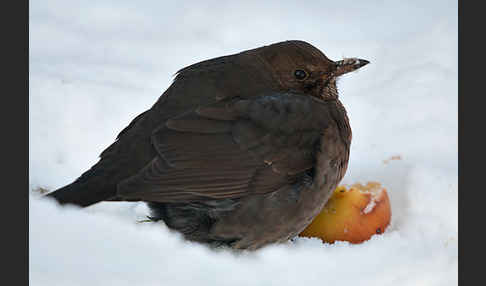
{"points": [[95, 65]]}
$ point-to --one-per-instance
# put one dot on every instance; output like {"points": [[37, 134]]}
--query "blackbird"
{"points": [[241, 150]]}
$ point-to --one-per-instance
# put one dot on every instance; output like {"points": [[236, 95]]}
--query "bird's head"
{"points": [[300, 67]]}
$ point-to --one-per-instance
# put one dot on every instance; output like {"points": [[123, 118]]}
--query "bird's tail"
{"points": [[92, 187], [116, 163]]}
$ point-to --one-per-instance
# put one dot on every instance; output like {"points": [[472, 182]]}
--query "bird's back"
{"points": [[197, 85]]}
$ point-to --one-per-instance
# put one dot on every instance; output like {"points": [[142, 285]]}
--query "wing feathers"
{"points": [[231, 149], [199, 125]]}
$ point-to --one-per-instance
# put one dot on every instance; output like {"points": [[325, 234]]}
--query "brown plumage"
{"points": [[242, 150]]}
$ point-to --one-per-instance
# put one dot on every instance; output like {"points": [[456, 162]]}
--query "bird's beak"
{"points": [[349, 65]]}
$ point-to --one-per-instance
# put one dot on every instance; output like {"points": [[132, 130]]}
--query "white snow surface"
{"points": [[95, 65]]}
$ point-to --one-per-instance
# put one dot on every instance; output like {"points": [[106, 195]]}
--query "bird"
{"points": [[241, 150]]}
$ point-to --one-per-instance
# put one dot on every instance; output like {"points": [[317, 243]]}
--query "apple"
{"points": [[352, 214]]}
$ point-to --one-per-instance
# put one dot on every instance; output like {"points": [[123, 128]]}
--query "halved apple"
{"points": [[353, 214]]}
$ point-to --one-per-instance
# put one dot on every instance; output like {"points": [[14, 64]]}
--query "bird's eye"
{"points": [[300, 74]]}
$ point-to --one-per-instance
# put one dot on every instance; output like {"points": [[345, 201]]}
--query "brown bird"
{"points": [[241, 150]]}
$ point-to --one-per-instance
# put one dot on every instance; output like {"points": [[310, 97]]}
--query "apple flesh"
{"points": [[352, 214]]}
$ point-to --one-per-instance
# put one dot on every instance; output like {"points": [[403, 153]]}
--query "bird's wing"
{"points": [[231, 149]]}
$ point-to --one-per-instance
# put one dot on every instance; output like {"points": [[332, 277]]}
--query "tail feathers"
{"points": [[85, 191]]}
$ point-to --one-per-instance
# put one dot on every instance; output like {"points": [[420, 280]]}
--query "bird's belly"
{"points": [[275, 217], [283, 214]]}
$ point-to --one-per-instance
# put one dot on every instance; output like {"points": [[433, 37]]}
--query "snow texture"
{"points": [[95, 65]]}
